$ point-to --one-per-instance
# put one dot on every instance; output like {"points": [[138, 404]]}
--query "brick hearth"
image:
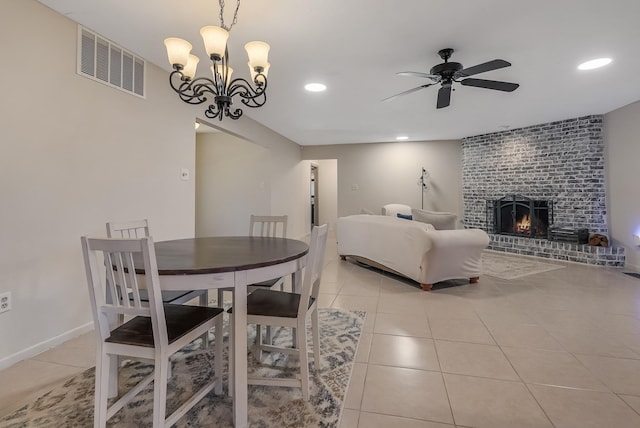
{"points": [[601, 256]]}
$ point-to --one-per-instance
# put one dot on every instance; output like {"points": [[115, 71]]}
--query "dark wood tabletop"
{"points": [[208, 255]]}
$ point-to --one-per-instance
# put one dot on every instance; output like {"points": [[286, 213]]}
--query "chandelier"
{"points": [[196, 90]]}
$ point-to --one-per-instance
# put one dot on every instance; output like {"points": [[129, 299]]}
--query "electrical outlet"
{"points": [[5, 302]]}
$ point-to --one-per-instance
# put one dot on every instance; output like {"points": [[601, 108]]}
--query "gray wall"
{"points": [[622, 136], [372, 175]]}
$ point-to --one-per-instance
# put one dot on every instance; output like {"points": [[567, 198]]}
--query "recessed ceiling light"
{"points": [[402, 137], [594, 63], [315, 87]]}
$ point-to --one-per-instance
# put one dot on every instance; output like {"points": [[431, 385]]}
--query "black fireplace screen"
{"points": [[520, 216]]}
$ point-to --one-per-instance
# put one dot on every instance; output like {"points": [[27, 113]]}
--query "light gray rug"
{"points": [[71, 404], [512, 267]]}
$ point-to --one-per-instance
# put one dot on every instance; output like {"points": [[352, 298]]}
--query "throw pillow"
{"points": [[405, 216], [439, 220]]}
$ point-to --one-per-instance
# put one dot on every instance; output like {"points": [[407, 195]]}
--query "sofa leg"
{"points": [[474, 280], [343, 257], [426, 287]]}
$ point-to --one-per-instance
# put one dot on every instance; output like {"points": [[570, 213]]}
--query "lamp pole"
{"points": [[423, 185]]}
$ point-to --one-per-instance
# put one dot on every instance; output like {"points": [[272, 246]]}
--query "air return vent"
{"points": [[103, 61]]}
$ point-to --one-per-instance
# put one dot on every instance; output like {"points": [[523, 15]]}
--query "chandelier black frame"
{"points": [[198, 90], [195, 91]]}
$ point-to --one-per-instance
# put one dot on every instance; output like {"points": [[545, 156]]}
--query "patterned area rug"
{"points": [[505, 267], [71, 404]]}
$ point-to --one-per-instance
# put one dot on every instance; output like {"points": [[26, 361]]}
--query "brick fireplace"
{"points": [[558, 165]]}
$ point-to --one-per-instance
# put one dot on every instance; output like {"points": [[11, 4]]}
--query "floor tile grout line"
{"points": [[444, 384]]}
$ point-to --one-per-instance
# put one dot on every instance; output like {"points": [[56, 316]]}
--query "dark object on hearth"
{"points": [[567, 234], [598, 240]]}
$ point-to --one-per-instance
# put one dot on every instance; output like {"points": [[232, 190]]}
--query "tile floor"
{"points": [[557, 349]]}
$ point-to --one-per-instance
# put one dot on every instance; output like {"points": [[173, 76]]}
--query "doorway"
{"points": [[315, 200]]}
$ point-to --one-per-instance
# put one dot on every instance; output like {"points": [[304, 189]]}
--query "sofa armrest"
{"points": [[454, 254]]}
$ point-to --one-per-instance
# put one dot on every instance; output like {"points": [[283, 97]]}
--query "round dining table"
{"points": [[231, 263]]}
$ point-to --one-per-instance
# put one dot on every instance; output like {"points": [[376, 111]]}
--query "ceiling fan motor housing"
{"points": [[447, 70]]}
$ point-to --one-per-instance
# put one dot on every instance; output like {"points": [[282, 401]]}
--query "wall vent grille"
{"points": [[103, 61]]}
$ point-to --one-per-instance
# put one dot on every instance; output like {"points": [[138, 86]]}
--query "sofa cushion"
{"points": [[439, 220], [393, 209]]}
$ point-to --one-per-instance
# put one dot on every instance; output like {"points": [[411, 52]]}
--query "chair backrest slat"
{"points": [[268, 226], [128, 229], [120, 258], [313, 269]]}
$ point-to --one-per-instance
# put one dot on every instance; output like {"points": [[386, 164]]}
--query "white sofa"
{"points": [[412, 249]]}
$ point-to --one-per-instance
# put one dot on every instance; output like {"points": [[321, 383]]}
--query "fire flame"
{"points": [[524, 225]]}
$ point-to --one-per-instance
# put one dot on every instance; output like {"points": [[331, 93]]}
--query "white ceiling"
{"points": [[355, 47]]}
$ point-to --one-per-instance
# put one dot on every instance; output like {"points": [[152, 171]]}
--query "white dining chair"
{"points": [[274, 226], [156, 331], [285, 309], [139, 229]]}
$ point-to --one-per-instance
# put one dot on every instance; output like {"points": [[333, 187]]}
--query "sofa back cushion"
{"points": [[393, 209], [439, 220]]}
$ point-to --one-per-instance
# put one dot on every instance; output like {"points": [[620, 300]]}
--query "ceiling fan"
{"points": [[449, 72]]}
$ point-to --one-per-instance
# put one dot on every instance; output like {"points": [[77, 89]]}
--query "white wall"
{"points": [[288, 176], [622, 152], [232, 182], [389, 173], [75, 154], [327, 191]]}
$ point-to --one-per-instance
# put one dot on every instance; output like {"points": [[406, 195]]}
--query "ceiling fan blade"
{"points": [[481, 68], [407, 92], [433, 77], [444, 96], [490, 84]]}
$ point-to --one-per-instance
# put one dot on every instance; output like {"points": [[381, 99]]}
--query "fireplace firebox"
{"points": [[520, 216]]}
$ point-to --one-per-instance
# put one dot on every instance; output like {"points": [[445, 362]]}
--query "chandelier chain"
{"points": [[235, 15]]}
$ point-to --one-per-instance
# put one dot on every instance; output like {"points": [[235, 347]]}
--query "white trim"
{"points": [[44, 346]]}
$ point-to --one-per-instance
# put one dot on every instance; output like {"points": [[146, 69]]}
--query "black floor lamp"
{"points": [[423, 185]]}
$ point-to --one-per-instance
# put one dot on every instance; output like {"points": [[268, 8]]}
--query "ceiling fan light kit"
{"points": [[447, 73], [195, 90]]}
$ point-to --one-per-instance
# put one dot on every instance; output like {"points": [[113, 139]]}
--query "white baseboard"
{"points": [[43, 346]]}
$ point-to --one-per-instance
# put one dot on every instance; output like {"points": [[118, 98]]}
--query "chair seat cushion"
{"points": [[273, 303], [181, 319]]}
